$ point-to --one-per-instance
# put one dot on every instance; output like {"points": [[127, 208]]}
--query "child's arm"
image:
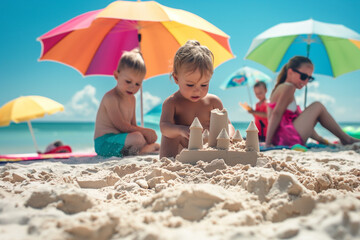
{"points": [[250, 110], [167, 124], [258, 113], [245, 106], [262, 114], [148, 133]]}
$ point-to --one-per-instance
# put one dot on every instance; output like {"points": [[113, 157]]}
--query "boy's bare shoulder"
{"points": [[214, 100], [109, 95], [212, 97], [172, 99]]}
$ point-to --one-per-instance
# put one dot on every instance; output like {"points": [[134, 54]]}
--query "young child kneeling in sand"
{"points": [[192, 71], [116, 132]]}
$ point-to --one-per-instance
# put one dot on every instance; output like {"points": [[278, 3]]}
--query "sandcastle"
{"points": [[216, 143]]}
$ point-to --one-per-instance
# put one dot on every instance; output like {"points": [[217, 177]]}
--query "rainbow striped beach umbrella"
{"points": [[333, 48], [93, 42]]}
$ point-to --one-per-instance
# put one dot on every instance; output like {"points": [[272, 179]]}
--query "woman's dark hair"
{"points": [[294, 62]]}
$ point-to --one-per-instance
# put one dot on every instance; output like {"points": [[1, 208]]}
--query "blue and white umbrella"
{"points": [[245, 76]]}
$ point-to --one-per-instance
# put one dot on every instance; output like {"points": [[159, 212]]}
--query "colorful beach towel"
{"points": [[296, 147], [35, 156]]}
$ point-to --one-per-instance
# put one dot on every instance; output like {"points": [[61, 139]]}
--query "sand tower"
{"points": [[196, 139], [237, 136], [206, 136], [223, 140], [218, 121], [252, 139]]}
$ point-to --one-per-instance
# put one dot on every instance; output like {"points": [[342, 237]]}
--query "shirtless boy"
{"points": [[116, 131], [192, 71]]}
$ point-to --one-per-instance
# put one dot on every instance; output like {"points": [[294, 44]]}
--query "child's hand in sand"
{"points": [[149, 135]]}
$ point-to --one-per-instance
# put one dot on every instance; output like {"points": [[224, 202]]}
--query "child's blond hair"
{"points": [[194, 56], [132, 59]]}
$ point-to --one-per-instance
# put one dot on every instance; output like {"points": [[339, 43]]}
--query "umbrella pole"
{"points": [[33, 136], [141, 89], [305, 96], [249, 93], [141, 106], [307, 55]]}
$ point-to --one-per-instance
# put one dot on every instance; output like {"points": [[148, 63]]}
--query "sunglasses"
{"points": [[304, 76]]}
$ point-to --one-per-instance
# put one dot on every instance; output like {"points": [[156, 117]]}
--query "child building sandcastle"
{"points": [[216, 143]]}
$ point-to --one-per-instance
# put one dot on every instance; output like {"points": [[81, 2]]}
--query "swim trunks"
{"points": [[110, 144], [286, 134]]}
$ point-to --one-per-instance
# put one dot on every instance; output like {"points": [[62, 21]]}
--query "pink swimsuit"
{"points": [[286, 134]]}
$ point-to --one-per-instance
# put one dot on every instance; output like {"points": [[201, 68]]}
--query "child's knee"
{"points": [[140, 139], [136, 139]]}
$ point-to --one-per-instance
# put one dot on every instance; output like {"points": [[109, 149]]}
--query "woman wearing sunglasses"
{"points": [[288, 125]]}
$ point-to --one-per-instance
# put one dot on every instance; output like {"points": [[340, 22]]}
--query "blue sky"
{"points": [[21, 73]]}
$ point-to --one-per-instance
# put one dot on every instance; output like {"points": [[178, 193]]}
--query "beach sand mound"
{"points": [[289, 194]]}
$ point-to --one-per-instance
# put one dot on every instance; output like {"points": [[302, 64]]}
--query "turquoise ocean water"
{"points": [[16, 138]]}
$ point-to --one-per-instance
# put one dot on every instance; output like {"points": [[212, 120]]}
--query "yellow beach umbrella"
{"points": [[27, 108]]}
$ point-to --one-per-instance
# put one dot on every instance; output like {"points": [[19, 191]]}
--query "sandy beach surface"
{"points": [[288, 195]]}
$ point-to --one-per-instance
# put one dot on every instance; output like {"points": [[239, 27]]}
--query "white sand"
{"points": [[289, 194]]}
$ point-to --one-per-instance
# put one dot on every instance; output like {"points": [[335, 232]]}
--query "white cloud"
{"points": [[149, 101], [313, 85], [83, 104], [340, 111], [323, 98], [313, 95]]}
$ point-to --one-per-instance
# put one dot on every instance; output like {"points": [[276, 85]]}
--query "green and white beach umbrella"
{"points": [[333, 48]]}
